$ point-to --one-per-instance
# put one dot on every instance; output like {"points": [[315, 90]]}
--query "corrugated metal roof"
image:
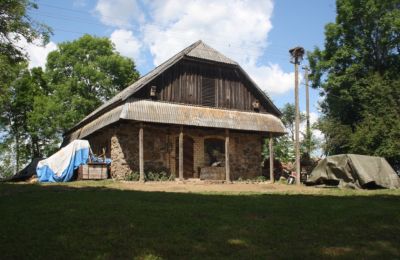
{"points": [[108, 118], [172, 113], [179, 114], [197, 50]]}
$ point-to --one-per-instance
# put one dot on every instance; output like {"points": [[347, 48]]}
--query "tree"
{"points": [[283, 149], [15, 23], [289, 118], [83, 74], [284, 145], [17, 106], [38, 106], [357, 74]]}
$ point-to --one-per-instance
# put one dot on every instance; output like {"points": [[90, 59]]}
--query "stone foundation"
{"points": [[122, 145]]}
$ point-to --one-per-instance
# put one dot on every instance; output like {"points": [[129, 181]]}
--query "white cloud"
{"points": [[313, 119], [126, 44], [271, 78], [119, 13], [37, 54], [239, 29]]}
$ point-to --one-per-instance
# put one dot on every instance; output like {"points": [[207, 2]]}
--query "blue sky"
{"points": [[257, 34]]}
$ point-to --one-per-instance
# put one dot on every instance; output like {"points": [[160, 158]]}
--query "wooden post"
{"points": [[227, 167], [297, 122], [308, 131], [271, 159], [141, 161], [181, 154], [297, 56]]}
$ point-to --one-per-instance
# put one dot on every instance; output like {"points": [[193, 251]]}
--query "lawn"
{"points": [[97, 220]]}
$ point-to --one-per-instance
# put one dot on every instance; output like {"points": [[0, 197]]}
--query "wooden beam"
{"points": [[141, 160], [181, 154], [271, 158], [227, 166]]}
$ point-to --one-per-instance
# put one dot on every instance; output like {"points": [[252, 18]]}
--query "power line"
{"points": [[151, 29], [66, 9], [271, 51], [239, 51], [65, 18], [226, 51]]}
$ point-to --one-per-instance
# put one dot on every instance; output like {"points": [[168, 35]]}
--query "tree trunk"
{"points": [[16, 153]]}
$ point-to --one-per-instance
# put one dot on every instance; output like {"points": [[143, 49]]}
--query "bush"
{"points": [[132, 176], [157, 176], [151, 174], [260, 179]]}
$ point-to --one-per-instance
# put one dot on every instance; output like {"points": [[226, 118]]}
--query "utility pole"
{"points": [[308, 133], [297, 56]]}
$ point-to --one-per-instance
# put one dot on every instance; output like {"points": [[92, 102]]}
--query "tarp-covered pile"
{"points": [[60, 166], [355, 171]]}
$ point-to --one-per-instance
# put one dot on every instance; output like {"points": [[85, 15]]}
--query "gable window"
{"points": [[208, 92]]}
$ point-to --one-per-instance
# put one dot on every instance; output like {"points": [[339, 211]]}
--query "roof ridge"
{"points": [[206, 52]]}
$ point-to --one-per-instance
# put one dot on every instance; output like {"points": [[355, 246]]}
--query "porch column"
{"points": [[141, 161], [271, 159], [181, 154], [227, 168]]}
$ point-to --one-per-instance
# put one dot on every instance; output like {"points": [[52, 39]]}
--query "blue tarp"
{"points": [[60, 166]]}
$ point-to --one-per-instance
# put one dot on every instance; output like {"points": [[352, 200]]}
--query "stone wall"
{"points": [[160, 145], [124, 150], [245, 157]]}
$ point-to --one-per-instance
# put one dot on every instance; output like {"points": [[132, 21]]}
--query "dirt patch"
{"points": [[204, 187]]}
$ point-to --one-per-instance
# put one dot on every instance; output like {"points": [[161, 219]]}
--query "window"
{"points": [[214, 152], [208, 92]]}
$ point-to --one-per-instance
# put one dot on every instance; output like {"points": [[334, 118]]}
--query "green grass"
{"points": [[65, 222]]}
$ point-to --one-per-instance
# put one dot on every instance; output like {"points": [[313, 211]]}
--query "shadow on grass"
{"points": [[57, 221]]}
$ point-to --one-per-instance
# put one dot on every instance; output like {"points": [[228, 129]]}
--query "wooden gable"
{"points": [[208, 84]]}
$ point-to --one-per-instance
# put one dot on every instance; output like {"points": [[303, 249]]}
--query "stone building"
{"points": [[197, 115]]}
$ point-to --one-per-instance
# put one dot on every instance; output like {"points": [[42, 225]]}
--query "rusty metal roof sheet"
{"points": [[197, 50], [180, 114], [172, 113], [107, 118]]}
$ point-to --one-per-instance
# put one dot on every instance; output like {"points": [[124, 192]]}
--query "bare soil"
{"points": [[238, 188]]}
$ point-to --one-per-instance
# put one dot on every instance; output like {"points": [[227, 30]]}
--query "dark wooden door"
{"points": [[188, 162]]}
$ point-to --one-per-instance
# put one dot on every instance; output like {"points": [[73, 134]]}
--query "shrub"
{"points": [[158, 174], [132, 176], [256, 179], [260, 179]]}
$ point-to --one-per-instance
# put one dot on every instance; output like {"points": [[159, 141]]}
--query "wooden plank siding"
{"points": [[183, 83]]}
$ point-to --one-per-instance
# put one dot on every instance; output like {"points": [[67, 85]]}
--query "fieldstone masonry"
{"points": [[160, 144]]}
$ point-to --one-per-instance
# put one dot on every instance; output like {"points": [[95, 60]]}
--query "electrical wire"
{"points": [[148, 28]]}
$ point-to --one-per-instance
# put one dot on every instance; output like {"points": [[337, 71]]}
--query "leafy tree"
{"points": [[83, 74], [18, 105], [16, 23], [283, 149], [289, 118], [38, 106], [7, 164], [357, 73], [284, 145]]}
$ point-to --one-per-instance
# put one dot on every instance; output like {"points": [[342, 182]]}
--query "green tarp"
{"points": [[355, 171]]}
